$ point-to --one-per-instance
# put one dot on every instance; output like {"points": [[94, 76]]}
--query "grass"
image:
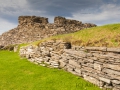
{"points": [[107, 35], [20, 74]]}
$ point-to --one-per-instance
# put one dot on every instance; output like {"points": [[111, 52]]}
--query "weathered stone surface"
{"points": [[62, 63], [104, 57], [116, 82], [111, 66], [72, 62], [117, 77], [91, 79], [97, 66], [46, 53], [96, 48], [109, 71], [91, 70], [15, 48], [70, 67], [105, 80], [116, 89], [76, 53], [78, 70], [113, 49]]}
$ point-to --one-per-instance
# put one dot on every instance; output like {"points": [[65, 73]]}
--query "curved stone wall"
{"points": [[98, 65]]}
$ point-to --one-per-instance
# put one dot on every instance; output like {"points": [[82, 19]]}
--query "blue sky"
{"points": [[99, 12]]}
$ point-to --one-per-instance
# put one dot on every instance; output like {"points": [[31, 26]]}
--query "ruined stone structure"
{"points": [[98, 65], [32, 28]]}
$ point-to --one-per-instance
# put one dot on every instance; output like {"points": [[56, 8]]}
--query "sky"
{"points": [[99, 12]]}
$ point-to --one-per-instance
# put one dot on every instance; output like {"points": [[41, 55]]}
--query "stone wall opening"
{"points": [[68, 45]]}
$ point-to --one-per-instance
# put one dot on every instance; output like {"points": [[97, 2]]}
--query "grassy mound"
{"points": [[20, 74], [107, 35], [101, 36]]}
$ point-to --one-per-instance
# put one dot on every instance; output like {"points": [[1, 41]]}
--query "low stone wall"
{"points": [[98, 65]]}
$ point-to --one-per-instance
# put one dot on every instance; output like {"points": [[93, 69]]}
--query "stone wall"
{"points": [[32, 28], [98, 65]]}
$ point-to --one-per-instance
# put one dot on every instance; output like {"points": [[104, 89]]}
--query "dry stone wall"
{"points": [[98, 65], [32, 28]]}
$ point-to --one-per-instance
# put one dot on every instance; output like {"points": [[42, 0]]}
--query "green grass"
{"points": [[20, 74], [107, 35]]}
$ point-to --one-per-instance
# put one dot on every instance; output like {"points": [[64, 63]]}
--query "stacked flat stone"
{"points": [[98, 65], [32, 19]]}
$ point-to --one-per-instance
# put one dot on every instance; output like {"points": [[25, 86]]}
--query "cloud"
{"points": [[107, 13], [96, 11], [62, 7], [115, 0], [12, 6], [6, 25], [11, 9]]}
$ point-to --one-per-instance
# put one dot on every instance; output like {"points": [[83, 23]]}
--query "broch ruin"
{"points": [[32, 28]]}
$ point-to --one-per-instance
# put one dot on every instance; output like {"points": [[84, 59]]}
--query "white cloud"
{"points": [[14, 7], [115, 0], [5, 25], [100, 12], [13, 3], [17, 8], [109, 12]]}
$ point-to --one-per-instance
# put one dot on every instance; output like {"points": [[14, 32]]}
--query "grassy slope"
{"points": [[107, 35], [17, 74], [20, 74]]}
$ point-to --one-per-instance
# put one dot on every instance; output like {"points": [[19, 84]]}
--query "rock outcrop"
{"points": [[32, 28]]}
